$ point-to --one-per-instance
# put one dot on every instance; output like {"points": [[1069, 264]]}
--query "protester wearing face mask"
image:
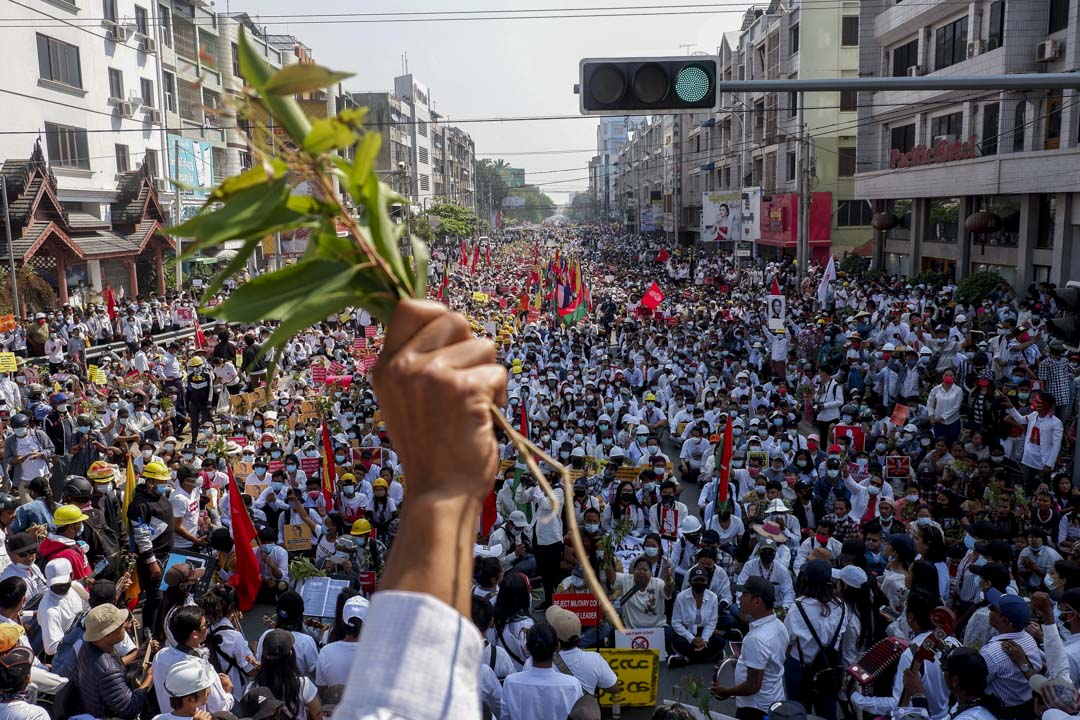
{"points": [[150, 517], [66, 541], [62, 603], [27, 453], [1036, 560]]}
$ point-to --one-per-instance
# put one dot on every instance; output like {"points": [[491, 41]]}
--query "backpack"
{"points": [[222, 662], [825, 673], [63, 662]]}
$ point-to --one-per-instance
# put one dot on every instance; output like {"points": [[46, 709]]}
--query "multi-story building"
{"points": [[752, 141], [611, 135], [460, 166], [931, 160]]}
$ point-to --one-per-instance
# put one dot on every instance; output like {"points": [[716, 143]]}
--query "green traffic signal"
{"points": [[617, 86]]}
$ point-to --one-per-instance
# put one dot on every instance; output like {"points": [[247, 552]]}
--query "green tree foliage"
{"points": [[489, 180], [536, 207], [978, 285], [581, 209], [454, 221]]}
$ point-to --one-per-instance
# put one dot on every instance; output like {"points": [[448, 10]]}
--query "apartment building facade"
{"points": [[934, 160]]}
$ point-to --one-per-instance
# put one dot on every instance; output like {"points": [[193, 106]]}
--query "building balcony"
{"points": [[993, 62], [898, 21]]}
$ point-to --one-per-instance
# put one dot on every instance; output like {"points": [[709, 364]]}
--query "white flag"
{"points": [[826, 281]]}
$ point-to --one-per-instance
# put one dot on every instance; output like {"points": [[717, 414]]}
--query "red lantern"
{"points": [[982, 222]]}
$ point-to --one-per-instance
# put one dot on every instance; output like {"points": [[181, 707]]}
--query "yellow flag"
{"points": [[129, 489]]}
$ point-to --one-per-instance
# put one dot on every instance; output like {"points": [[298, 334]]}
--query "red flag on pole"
{"points": [[329, 471], [488, 514], [723, 456], [246, 579], [663, 255], [200, 336], [476, 256], [464, 254], [775, 287], [487, 254], [653, 297]]}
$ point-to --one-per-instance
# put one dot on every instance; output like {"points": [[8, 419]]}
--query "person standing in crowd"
{"points": [[541, 692]]}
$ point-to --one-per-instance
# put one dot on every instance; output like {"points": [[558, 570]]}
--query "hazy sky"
{"points": [[489, 69]]}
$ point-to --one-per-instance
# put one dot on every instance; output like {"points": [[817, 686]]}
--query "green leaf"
{"points": [[278, 295], [254, 212], [367, 152], [234, 266], [329, 134], [353, 117], [385, 233], [325, 243], [294, 79], [258, 73], [255, 175], [421, 261]]}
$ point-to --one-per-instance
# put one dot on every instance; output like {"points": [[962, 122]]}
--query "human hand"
{"points": [[436, 383], [148, 681], [1040, 604], [913, 683], [719, 692], [226, 682], [1015, 652], [155, 571]]}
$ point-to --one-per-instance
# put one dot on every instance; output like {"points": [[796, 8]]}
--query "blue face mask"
{"points": [[161, 488], [260, 471], [277, 486], [969, 542]]}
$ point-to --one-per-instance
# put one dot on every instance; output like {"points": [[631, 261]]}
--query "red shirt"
{"points": [[52, 549]]}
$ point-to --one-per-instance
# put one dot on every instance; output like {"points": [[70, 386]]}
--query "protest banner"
{"points": [[638, 672], [899, 415], [7, 323], [669, 523], [297, 537], [854, 433], [897, 466], [642, 639], [318, 374], [367, 581], [310, 465], [584, 605], [8, 363]]}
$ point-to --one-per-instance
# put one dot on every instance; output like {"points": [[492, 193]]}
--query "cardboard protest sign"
{"points": [[297, 537], [638, 671], [897, 466], [584, 605]]}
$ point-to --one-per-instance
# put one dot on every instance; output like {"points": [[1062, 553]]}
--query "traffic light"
{"points": [[1067, 327], [619, 86]]}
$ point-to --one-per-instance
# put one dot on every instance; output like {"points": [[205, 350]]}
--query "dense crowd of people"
{"points": [[880, 477]]}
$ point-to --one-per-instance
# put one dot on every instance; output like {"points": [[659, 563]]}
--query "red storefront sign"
{"points": [[780, 220], [941, 151], [585, 606]]}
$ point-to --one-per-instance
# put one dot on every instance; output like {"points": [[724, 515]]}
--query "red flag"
{"points": [[445, 284], [725, 462], [464, 254], [487, 254], [775, 287], [488, 514], [653, 297], [246, 579], [330, 472], [476, 256], [663, 255], [200, 337]]}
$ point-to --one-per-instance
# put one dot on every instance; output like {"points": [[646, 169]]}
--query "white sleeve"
{"points": [[436, 652]]}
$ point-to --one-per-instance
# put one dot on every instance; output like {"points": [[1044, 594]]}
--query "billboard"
{"points": [[191, 164], [647, 220], [751, 214], [721, 216]]}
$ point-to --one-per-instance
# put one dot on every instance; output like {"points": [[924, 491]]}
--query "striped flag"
{"points": [[723, 461], [521, 468], [329, 473], [129, 488]]}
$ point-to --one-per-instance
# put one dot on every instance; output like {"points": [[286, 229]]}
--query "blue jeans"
{"points": [[800, 688]]}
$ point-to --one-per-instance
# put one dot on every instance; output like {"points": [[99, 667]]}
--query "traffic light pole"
{"points": [[802, 245], [1031, 81]]}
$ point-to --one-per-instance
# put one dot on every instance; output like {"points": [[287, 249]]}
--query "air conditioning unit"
{"points": [[153, 116], [163, 185], [149, 46], [114, 101], [117, 33], [1049, 50], [135, 100], [916, 71], [125, 109], [976, 47]]}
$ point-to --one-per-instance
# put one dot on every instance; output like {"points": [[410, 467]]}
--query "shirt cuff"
{"points": [[418, 659]]}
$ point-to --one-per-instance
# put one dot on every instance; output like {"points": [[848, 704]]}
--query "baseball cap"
{"points": [[188, 677], [1056, 693], [903, 545], [259, 703], [758, 587], [850, 575], [15, 667], [102, 620], [278, 644], [355, 608], [518, 518], [21, 543], [182, 572], [766, 542], [817, 571], [58, 572], [567, 625], [787, 710], [1012, 607], [994, 573], [698, 572]]}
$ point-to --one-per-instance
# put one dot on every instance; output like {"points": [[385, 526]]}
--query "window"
{"points": [[996, 38], [116, 83], [1047, 214], [108, 10], [123, 160], [793, 39], [1019, 125], [169, 87], [793, 104], [845, 165], [849, 30], [1052, 141], [235, 60], [245, 160], [943, 220], [421, 128], [853, 213], [849, 100], [67, 146], [425, 182], [947, 125], [146, 90], [1059, 15], [790, 166], [142, 25], [166, 25], [150, 158], [902, 138], [58, 61], [424, 157], [991, 113], [904, 57], [950, 43]]}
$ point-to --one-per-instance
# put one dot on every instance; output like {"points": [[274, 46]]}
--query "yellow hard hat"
{"points": [[380, 482], [100, 471], [649, 396], [196, 361], [68, 515], [360, 527], [156, 471], [348, 478]]}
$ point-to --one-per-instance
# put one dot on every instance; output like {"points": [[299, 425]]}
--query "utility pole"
{"points": [[803, 242], [177, 217], [677, 131], [11, 249]]}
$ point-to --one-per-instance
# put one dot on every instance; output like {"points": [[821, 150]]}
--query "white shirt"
{"points": [[537, 694], [687, 618], [1042, 439], [937, 695], [548, 521], [169, 656], [307, 652], [334, 663], [778, 575], [945, 402], [22, 710], [31, 574], [642, 608], [824, 625], [763, 649], [235, 646], [57, 612], [187, 507]]}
